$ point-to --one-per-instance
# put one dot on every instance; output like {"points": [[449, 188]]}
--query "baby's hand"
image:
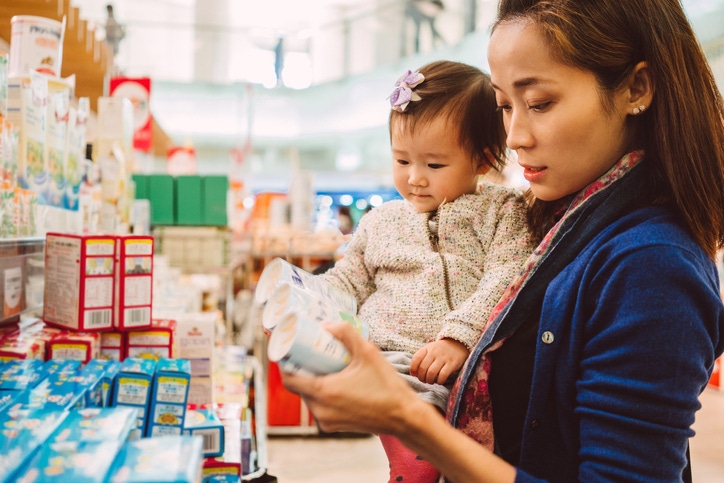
{"points": [[436, 361]]}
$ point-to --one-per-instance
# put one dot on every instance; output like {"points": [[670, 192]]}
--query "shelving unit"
{"points": [[21, 276]]}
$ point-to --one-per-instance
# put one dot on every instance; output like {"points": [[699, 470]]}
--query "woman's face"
{"points": [[553, 114]]}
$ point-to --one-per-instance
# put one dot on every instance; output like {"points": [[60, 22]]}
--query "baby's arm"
{"points": [[438, 360]]}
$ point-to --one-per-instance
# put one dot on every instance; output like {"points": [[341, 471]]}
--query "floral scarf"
{"points": [[469, 405]]}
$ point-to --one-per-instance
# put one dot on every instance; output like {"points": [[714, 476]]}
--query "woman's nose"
{"points": [[518, 131]]}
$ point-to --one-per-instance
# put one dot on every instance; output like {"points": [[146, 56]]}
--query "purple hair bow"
{"points": [[403, 93]]}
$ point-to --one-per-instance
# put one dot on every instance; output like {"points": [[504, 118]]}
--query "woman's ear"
{"points": [[640, 89]]}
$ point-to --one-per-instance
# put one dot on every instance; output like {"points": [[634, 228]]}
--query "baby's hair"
{"points": [[463, 94]]}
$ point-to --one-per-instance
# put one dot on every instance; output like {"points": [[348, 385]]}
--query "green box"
{"points": [[141, 181], [214, 190], [188, 200], [161, 195]]}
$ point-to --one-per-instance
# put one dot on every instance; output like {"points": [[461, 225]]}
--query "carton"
{"points": [[153, 343], [169, 397], [132, 388], [53, 393], [76, 461], [79, 282], [21, 374], [134, 282], [22, 437], [205, 423], [77, 346], [107, 370], [167, 459], [97, 425], [112, 345]]}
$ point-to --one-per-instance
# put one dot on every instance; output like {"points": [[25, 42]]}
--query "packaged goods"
{"points": [[134, 282], [97, 425], [79, 281], [205, 423], [112, 345], [152, 343], [132, 388], [108, 370], [279, 271], [20, 438], [76, 461], [166, 459], [36, 45], [169, 396], [78, 346]]}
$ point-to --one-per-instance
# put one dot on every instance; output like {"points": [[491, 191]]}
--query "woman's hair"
{"points": [[463, 94], [682, 132]]}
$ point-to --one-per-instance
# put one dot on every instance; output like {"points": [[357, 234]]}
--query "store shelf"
{"points": [[21, 276]]}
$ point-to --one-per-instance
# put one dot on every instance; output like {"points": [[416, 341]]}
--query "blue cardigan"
{"points": [[626, 343]]}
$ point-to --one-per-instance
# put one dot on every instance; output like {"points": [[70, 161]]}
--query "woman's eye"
{"points": [[503, 107], [539, 107]]}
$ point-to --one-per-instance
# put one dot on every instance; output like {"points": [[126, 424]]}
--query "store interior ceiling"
{"points": [[214, 82]]}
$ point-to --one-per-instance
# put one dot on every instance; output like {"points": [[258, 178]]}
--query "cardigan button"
{"points": [[547, 337], [534, 424]]}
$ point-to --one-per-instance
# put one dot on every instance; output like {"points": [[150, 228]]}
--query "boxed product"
{"points": [[169, 397], [76, 461], [132, 387], [134, 282], [97, 424], [220, 467], [79, 281], [12, 285], [222, 479], [167, 459], [113, 345], [77, 346], [153, 343], [108, 370], [21, 374], [18, 348], [62, 366], [195, 340], [22, 437], [54, 394], [205, 423]]}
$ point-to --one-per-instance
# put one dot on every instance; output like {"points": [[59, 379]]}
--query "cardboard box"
{"points": [[153, 343], [77, 346], [161, 194], [205, 423], [168, 459], [169, 397], [109, 369], [76, 461], [79, 281], [97, 424], [134, 282], [132, 388], [188, 200], [214, 190], [195, 340], [113, 346]]}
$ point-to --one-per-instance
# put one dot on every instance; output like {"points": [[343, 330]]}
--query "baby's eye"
{"points": [[402, 162]]}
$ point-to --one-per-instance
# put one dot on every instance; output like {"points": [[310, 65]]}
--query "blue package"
{"points": [[165, 459]]}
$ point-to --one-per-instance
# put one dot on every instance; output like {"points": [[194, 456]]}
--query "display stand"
{"points": [[21, 276]]}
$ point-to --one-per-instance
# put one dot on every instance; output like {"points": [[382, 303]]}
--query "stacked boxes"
{"points": [[79, 281], [134, 282], [152, 343], [169, 397], [132, 388], [205, 423]]}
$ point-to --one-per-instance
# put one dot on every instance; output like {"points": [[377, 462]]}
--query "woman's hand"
{"points": [[366, 396]]}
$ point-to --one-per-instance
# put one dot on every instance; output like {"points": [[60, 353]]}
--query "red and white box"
{"points": [[113, 345], [79, 282], [153, 343], [76, 346], [134, 282]]}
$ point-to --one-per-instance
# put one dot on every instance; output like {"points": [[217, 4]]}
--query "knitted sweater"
{"points": [[390, 266]]}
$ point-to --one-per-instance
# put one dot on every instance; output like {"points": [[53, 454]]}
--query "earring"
{"points": [[639, 110]]}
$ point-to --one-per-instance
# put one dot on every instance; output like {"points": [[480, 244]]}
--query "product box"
{"points": [[214, 189], [153, 343], [108, 370], [12, 286], [220, 467], [113, 345], [97, 424], [76, 461], [205, 423], [132, 387], [22, 437], [62, 366], [166, 459], [161, 194], [21, 374], [222, 479], [134, 282], [195, 340], [201, 390], [188, 200], [77, 346], [6, 399], [79, 281], [21, 348], [169, 397], [53, 394]]}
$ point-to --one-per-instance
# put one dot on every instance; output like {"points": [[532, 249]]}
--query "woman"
{"points": [[599, 350]]}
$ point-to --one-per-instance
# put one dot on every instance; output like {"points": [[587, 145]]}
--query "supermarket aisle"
{"points": [[313, 459]]}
